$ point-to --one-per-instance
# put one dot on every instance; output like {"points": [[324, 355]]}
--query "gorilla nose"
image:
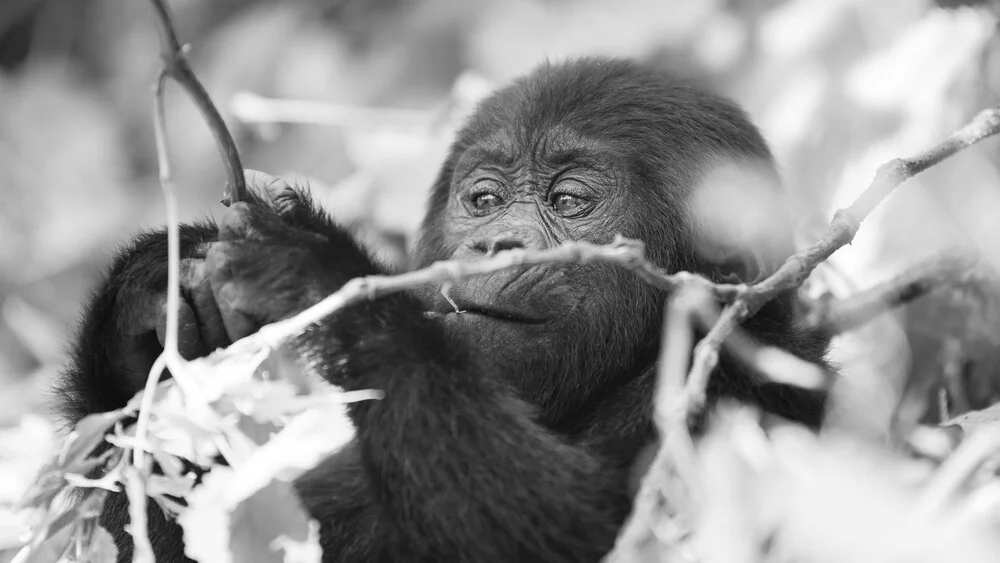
{"points": [[491, 247], [508, 240]]}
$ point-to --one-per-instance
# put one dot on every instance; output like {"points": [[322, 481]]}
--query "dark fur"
{"points": [[489, 445]]}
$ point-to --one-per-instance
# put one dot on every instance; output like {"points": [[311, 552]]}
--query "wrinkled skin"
{"points": [[509, 425]]}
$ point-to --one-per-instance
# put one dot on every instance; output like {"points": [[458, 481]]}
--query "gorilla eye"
{"points": [[566, 203], [485, 202]]}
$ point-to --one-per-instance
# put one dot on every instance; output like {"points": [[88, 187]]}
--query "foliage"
{"points": [[839, 88]]}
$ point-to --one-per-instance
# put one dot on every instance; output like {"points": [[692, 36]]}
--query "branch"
{"points": [[958, 470], [135, 489], [672, 477], [842, 229], [623, 252], [774, 363], [842, 315], [175, 65]]}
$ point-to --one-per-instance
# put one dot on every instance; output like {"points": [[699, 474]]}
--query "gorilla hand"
{"points": [[133, 303], [269, 258], [265, 268]]}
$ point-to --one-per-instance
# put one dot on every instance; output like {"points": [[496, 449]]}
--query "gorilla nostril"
{"points": [[499, 245], [491, 246]]}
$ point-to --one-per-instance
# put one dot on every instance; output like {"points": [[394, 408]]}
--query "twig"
{"points": [[675, 456], [937, 271], [624, 252], [170, 357], [774, 363], [135, 489], [175, 65], [173, 222], [842, 229], [958, 469], [952, 358]]}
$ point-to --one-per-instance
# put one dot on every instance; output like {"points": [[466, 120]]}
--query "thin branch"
{"points": [[952, 363], [135, 489], [173, 222], [958, 469], [175, 65], [170, 357], [938, 271], [675, 458], [774, 363], [841, 231], [623, 252]]}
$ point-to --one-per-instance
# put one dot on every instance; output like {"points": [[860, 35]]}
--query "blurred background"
{"points": [[360, 98]]}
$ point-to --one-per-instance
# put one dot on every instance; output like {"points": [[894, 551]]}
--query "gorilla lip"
{"points": [[494, 313]]}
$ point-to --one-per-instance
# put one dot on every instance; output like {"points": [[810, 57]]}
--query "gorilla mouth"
{"points": [[498, 313], [445, 309]]}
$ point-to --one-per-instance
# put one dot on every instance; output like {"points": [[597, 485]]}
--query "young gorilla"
{"points": [[507, 430]]}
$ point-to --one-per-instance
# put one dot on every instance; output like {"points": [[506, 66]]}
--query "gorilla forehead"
{"points": [[543, 149], [615, 100]]}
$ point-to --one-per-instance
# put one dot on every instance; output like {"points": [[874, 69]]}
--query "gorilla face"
{"points": [[574, 152], [550, 325]]}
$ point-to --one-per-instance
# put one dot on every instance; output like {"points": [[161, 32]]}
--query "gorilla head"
{"points": [[581, 151]]}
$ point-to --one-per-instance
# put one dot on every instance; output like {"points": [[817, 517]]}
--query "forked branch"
{"points": [[938, 271], [175, 65], [841, 231]]}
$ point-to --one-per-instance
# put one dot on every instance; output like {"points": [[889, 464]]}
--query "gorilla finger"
{"points": [[197, 290], [235, 222], [189, 343], [138, 312], [210, 322], [238, 323], [264, 185], [192, 270]]}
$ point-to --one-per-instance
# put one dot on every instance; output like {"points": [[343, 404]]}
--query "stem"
{"points": [[844, 226], [175, 65], [173, 275]]}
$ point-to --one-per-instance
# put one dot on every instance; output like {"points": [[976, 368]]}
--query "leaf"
{"points": [[49, 551], [271, 521], [307, 440], [976, 420], [219, 527], [52, 537], [101, 547], [86, 436], [179, 486]]}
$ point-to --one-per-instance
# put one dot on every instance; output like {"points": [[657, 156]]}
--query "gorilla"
{"points": [[515, 406]]}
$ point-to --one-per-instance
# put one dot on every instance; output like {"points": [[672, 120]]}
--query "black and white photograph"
{"points": [[499, 281]]}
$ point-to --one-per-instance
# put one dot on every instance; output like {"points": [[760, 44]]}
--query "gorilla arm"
{"points": [[454, 467], [449, 466]]}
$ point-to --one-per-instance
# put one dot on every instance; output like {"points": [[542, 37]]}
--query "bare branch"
{"points": [[624, 252], [175, 65], [958, 469], [135, 489], [937, 271], [672, 477], [173, 222], [841, 231], [776, 364], [170, 357]]}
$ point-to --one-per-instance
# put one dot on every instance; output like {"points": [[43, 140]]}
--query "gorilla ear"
{"points": [[741, 223]]}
